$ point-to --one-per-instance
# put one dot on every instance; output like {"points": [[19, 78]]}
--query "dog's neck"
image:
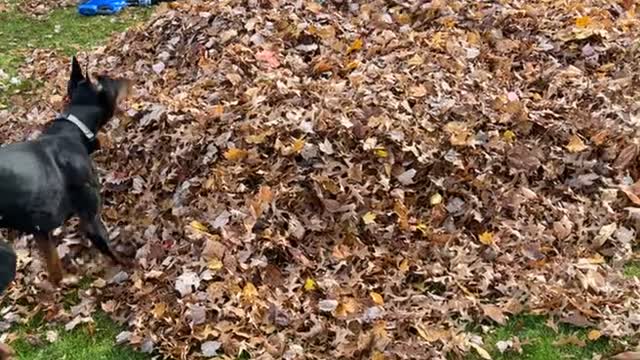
{"points": [[90, 116]]}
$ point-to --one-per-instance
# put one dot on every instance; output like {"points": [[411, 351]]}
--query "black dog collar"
{"points": [[75, 121]]}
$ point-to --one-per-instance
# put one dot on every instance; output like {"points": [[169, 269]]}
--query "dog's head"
{"points": [[104, 93]]}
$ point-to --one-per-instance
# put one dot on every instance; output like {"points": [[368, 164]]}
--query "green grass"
{"points": [[632, 269], [95, 342], [62, 30], [540, 342]]}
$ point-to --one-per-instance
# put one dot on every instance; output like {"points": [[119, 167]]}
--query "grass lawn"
{"points": [[95, 341], [65, 31], [538, 341]]}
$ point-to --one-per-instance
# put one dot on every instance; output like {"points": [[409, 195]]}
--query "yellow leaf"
{"points": [[377, 298], [377, 355], [509, 136], [486, 238], [356, 45], [215, 264], [352, 65], [381, 152], [404, 265], [435, 199], [423, 228], [416, 60], [235, 154], [309, 284], [594, 335], [576, 144], [369, 218], [199, 226], [482, 352], [298, 145], [256, 139], [461, 135], [249, 292], [159, 310], [583, 21], [449, 23]]}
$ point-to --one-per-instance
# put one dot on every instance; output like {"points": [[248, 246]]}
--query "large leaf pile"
{"points": [[351, 179]]}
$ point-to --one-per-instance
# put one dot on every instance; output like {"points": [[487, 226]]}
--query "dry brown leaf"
{"points": [[628, 355], [494, 313], [594, 335], [576, 144], [626, 157]]}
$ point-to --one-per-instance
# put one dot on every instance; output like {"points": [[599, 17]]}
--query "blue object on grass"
{"points": [[101, 7]]}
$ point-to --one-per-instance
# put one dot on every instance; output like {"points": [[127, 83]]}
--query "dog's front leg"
{"points": [[97, 233], [88, 204], [48, 249]]}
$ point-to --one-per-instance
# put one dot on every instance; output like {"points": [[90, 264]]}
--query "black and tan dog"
{"points": [[46, 181]]}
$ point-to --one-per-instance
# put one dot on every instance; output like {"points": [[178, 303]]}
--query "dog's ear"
{"points": [[76, 76], [76, 70]]}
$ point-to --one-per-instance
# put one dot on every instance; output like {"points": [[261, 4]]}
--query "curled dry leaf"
{"points": [[494, 313], [628, 355], [626, 157]]}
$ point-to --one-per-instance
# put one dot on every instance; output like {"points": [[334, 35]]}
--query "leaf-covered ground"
{"points": [[302, 179]]}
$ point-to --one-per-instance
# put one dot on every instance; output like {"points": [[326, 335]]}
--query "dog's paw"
{"points": [[125, 262], [55, 277]]}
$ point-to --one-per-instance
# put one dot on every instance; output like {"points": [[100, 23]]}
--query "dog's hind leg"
{"points": [[7, 265], [7, 274], [48, 249]]}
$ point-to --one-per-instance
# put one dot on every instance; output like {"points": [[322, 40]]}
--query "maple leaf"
{"points": [[369, 218], [355, 45], [594, 335], [249, 292], [583, 21], [159, 309], [235, 154], [309, 284], [486, 238], [509, 136], [576, 144]]}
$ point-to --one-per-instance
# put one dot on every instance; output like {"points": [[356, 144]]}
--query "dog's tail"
{"points": [[7, 265]]}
